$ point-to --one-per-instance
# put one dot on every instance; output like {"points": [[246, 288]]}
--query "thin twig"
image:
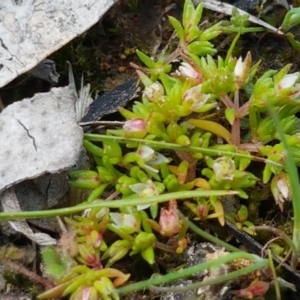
{"points": [[16, 268], [112, 196], [227, 101]]}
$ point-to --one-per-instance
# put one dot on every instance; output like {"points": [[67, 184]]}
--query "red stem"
{"points": [[28, 274]]}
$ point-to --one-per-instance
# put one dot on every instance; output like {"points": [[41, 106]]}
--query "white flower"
{"points": [[288, 81], [239, 68], [242, 69], [144, 190], [281, 189], [224, 168], [125, 222], [196, 98], [151, 158], [187, 70], [146, 153], [154, 92]]}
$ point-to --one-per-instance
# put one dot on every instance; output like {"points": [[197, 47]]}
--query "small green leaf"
{"points": [[201, 48], [145, 59], [230, 115], [238, 19], [188, 14], [213, 127], [198, 14], [92, 148], [177, 26], [291, 19]]}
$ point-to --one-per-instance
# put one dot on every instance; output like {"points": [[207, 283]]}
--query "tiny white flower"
{"points": [[151, 158], [146, 153], [157, 159], [223, 168], [288, 80], [154, 91], [187, 70], [281, 189], [125, 222], [144, 190], [242, 69], [148, 189], [195, 96], [239, 67]]}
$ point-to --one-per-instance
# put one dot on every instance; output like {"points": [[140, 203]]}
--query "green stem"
{"points": [[293, 42], [164, 145], [253, 123], [294, 181], [275, 280], [229, 52], [205, 235], [195, 269], [236, 126], [111, 204], [218, 280]]}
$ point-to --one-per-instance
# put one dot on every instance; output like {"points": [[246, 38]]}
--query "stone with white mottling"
{"points": [[39, 135], [33, 29]]}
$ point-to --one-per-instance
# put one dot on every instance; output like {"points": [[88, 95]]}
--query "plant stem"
{"points": [[207, 236], [227, 101], [208, 282], [236, 126], [229, 52], [112, 204], [294, 181], [275, 279], [18, 269], [164, 145], [253, 123], [195, 269]]}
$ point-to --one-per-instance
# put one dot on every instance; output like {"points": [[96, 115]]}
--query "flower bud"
{"points": [[288, 81], [143, 241], [84, 179], [255, 289], [203, 210], [94, 238], [242, 214], [169, 220], [187, 71], [281, 190], [135, 128], [89, 256], [242, 70]]}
